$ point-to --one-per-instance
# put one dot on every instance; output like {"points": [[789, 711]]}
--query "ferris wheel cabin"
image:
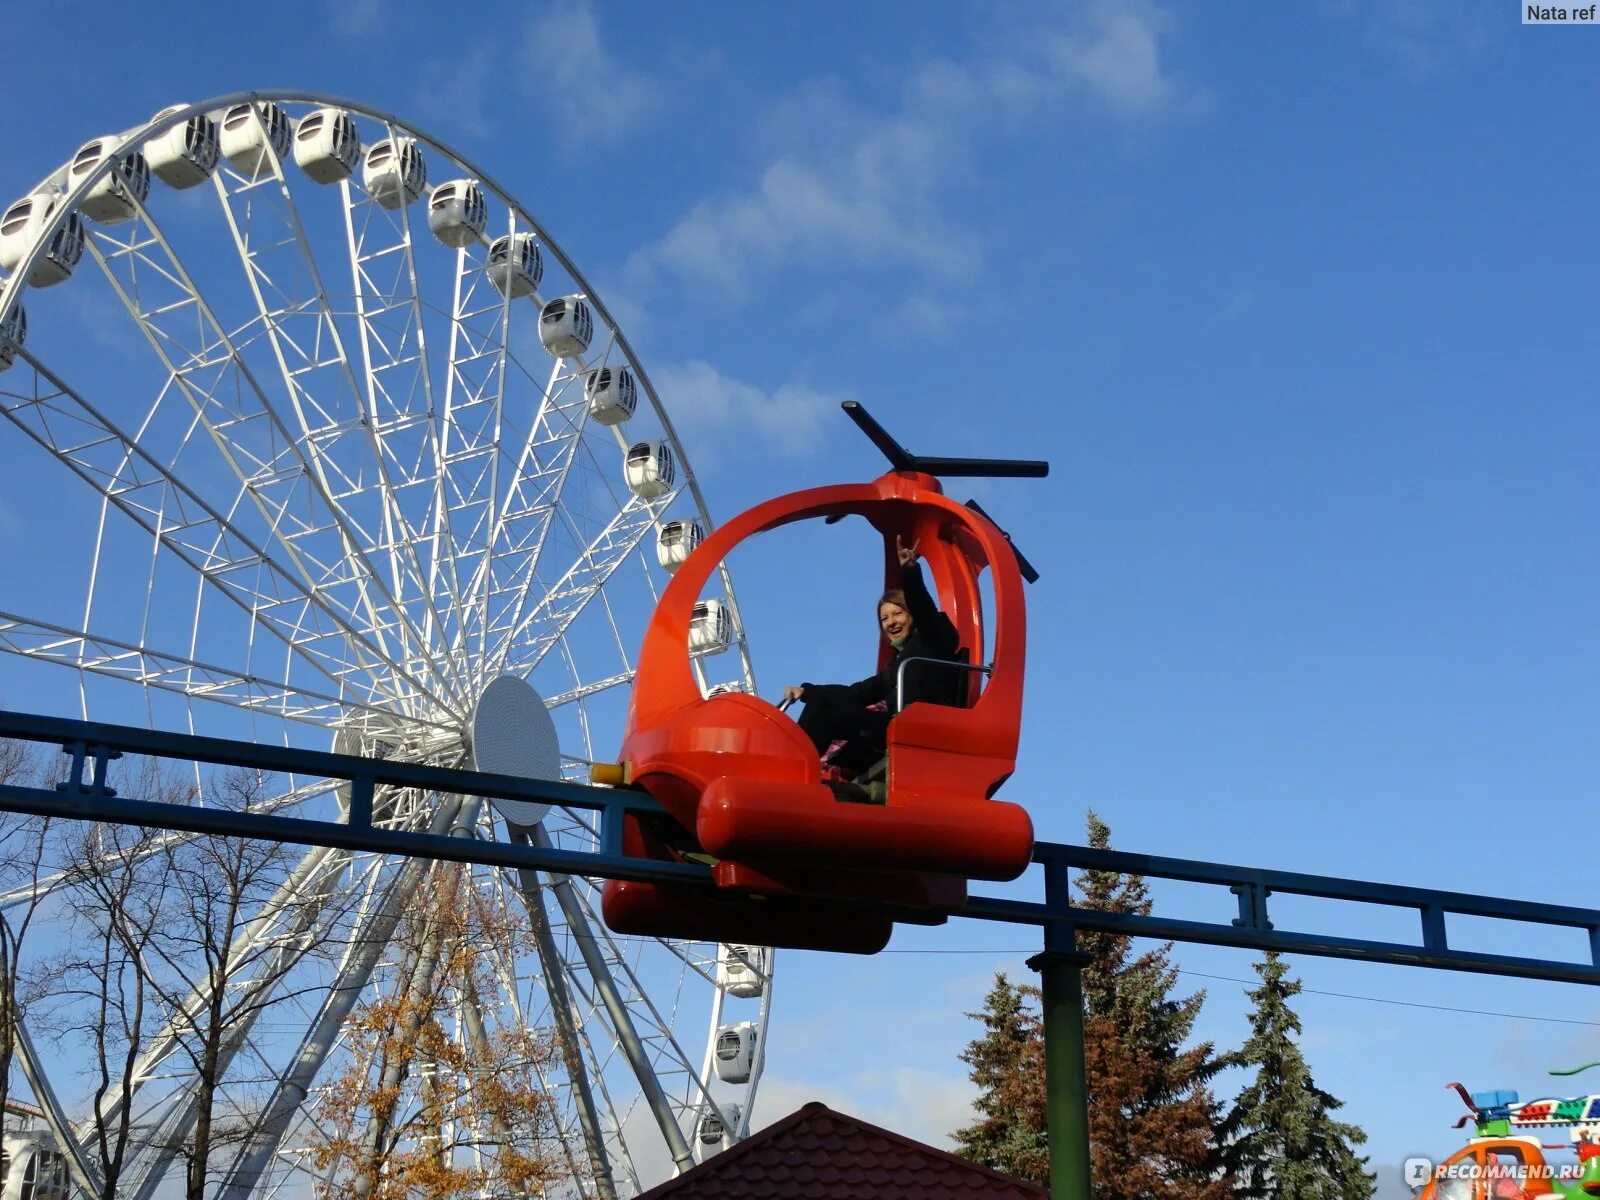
{"points": [[675, 541], [566, 326], [253, 135], [32, 1168], [649, 469], [714, 1127], [119, 194], [613, 395], [394, 173], [327, 146], [457, 213], [515, 265], [736, 1051], [23, 224], [185, 155], [710, 628]]}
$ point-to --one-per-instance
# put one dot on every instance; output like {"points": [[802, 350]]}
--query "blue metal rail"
{"points": [[87, 794]]}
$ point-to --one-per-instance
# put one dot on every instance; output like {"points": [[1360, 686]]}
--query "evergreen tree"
{"points": [[1007, 1063], [1288, 1146], [1155, 1129]]}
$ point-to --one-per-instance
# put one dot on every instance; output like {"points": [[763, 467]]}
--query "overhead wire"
{"points": [[1475, 1012]]}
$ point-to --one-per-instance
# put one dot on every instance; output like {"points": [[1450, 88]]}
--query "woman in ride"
{"points": [[859, 713]]}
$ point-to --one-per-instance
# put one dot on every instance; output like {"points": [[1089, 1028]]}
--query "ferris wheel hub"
{"points": [[511, 732]]}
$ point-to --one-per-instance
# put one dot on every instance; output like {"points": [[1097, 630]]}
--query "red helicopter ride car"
{"points": [[794, 865]]}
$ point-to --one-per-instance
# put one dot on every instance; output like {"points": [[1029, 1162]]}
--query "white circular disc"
{"points": [[512, 733]]}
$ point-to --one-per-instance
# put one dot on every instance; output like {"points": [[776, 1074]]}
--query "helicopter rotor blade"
{"points": [[988, 468], [902, 459], [1023, 565], [899, 457]]}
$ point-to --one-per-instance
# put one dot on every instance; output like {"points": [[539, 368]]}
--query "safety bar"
{"points": [[900, 675]]}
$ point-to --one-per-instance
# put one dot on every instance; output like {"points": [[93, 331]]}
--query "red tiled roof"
{"points": [[818, 1154]]}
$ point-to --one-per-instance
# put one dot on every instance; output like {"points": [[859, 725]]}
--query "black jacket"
{"points": [[932, 636]]}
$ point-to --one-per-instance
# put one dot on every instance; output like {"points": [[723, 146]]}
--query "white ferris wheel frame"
{"points": [[385, 653]]}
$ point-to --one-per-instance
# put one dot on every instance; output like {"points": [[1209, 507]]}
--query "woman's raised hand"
{"points": [[792, 693], [906, 554]]}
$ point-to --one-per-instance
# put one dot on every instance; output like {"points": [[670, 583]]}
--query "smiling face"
{"points": [[894, 620]]}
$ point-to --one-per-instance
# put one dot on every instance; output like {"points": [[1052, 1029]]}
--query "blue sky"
{"points": [[1299, 300]]}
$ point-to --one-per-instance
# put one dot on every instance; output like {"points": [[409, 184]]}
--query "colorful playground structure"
{"points": [[1505, 1159]]}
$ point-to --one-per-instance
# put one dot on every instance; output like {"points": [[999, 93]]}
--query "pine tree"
{"points": [[1288, 1146], [1007, 1064], [1155, 1128]]}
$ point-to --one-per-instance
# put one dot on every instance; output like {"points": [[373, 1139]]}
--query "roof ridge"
{"points": [[815, 1110]]}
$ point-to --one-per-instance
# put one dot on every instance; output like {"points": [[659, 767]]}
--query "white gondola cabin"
{"points": [[613, 395], [185, 155], [736, 1052], [118, 195], [566, 326], [327, 146], [13, 334], [710, 628], [253, 135], [23, 224], [725, 689], [675, 541], [457, 213], [32, 1168], [394, 173], [742, 970], [515, 265], [714, 1129], [649, 469]]}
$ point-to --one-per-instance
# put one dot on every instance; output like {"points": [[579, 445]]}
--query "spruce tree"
{"points": [[1155, 1128], [1007, 1063], [1288, 1146]]}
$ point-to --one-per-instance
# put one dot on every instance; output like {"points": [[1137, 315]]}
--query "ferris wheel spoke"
{"points": [[619, 1017], [574, 695], [526, 510], [149, 667], [148, 492], [472, 431], [400, 414], [327, 400], [565, 599], [203, 361], [669, 1050], [562, 1013], [367, 946]]}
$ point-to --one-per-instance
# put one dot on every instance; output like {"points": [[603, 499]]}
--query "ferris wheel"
{"points": [[332, 445]]}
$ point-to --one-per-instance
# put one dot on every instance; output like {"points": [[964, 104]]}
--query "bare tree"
{"points": [[184, 940], [22, 851], [96, 987]]}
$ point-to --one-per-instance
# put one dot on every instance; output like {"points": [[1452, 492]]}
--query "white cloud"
{"points": [[846, 183], [590, 92], [709, 408], [1117, 59], [356, 18], [924, 315], [583, 93]]}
